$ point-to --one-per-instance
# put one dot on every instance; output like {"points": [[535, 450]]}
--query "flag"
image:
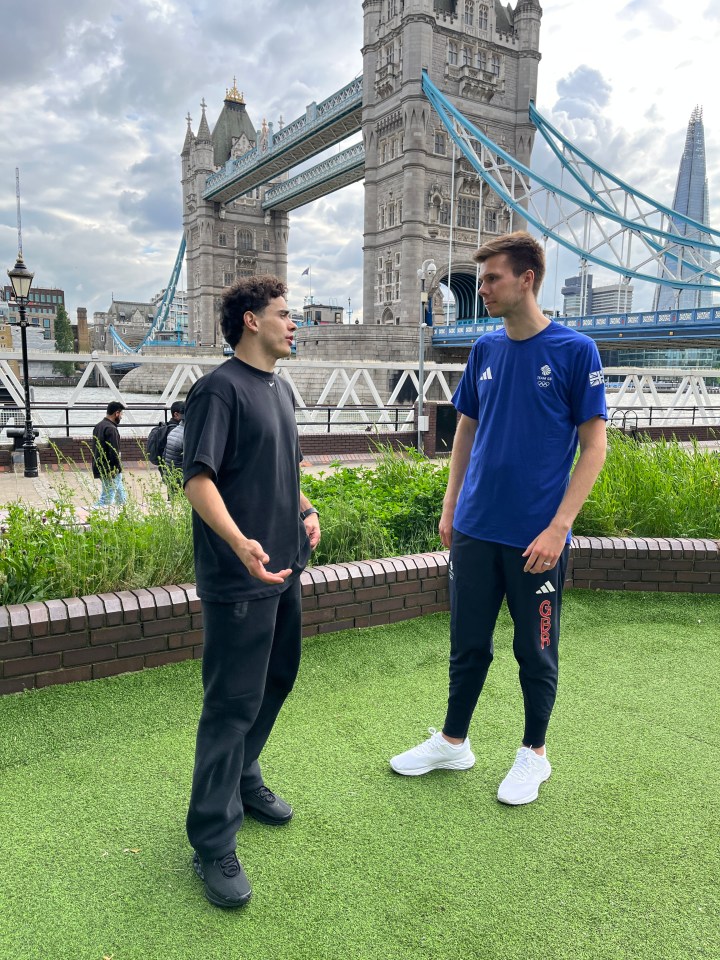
{"points": [[305, 272]]}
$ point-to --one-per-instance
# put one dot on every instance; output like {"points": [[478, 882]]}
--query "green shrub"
{"points": [[389, 510]]}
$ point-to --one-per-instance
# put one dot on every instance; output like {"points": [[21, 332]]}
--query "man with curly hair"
{"points": [[253, 531]]}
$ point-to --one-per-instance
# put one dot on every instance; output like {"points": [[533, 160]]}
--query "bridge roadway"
{"points": [[323, 125], [686, 327]]}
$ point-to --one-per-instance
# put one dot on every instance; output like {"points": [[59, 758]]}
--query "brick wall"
{"points": [[61, 641]]}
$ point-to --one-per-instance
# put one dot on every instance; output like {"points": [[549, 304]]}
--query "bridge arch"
{"points": [[463, 287]]}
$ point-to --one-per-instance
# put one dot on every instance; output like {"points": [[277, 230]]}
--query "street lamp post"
{"points": [[426, 272], [21, 279]]}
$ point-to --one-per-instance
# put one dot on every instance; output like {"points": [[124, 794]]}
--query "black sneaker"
{"points": [[225, 882], [267, 807]]}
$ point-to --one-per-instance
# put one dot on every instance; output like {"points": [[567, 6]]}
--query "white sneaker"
{"points": [[523, 781], [434, 754]]}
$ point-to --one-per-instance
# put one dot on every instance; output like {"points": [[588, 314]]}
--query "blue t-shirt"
{"points": [[529, 397]]}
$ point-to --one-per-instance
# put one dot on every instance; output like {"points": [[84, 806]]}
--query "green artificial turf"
{"points": [[619, 858]]}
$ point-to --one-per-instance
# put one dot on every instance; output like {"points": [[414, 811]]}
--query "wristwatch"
{"points": [[308, 513]]}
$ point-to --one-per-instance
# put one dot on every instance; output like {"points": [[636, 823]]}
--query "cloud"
{"points": [[659, 18], [585, 85]]}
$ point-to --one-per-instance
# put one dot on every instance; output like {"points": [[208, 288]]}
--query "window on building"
{"points": [[399, 212], [495, 65], [266, 245], [452, 53], [391, 215], [469, 13], [440, 144], [481, 60], [491, 221], [483, 17], [381, 220], [388, 279], [467, 57], [468, 212], [392, 8], [383, 151], [244, 240], [227, 279], [222, 239], [445, 213]]}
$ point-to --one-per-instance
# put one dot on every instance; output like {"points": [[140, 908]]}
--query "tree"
{"points": [[64, 341]]}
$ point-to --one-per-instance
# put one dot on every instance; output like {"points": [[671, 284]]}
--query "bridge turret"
{"points": [[225, 240], [528, 14]]}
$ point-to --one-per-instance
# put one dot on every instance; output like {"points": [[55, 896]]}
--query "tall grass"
{"points": [[50, 553], [661, 489]]}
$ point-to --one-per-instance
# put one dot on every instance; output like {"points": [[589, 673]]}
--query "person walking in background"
{"points": [[106, 459], [171, 457], [529, 394], [253, 531]]}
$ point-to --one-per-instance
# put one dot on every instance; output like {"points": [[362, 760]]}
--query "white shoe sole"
{"points": [[523, 800], [446, 765]]}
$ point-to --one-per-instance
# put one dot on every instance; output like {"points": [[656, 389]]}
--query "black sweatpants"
{"points": [[251, 656], [481, 574]]}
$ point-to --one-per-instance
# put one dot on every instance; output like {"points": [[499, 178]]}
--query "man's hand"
{"points": [[544, 552], [255, 558], [445, 527], [312, 528]]}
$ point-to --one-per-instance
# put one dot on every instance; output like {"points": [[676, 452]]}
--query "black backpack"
{"points": [[156, 441]]}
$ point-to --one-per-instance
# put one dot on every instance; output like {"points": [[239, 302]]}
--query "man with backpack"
{"points": [[172, 455], [158, 438]]}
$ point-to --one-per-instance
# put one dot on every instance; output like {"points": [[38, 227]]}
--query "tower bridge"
{"points": [[238, 183], [445, 108]]}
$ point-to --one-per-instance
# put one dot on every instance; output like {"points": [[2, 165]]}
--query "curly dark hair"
{"points": [[249, 293], [523, 252]]}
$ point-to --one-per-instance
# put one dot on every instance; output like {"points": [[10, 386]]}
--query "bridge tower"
{"points": [[482, 55], [224, 240]]}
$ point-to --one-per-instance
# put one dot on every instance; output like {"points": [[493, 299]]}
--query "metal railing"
{"points": [[77, 420], [629, 419]]}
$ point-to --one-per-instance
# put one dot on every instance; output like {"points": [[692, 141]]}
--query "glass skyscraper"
{"points": [[691, 199]]}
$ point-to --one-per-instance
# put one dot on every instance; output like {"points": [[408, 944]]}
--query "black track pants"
{"points": [[481, 574], [251, 656]]}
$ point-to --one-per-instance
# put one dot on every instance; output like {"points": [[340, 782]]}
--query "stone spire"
{"points": [[189, 138], [203, 134]]}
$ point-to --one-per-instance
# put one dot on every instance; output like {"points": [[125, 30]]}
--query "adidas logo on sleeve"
{"points": [[486, 374]]}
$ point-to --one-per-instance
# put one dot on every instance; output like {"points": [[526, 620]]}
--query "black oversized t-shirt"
{"points": [[240, 424]]}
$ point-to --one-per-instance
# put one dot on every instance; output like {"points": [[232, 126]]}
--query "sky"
{"points": [[94, 96]]}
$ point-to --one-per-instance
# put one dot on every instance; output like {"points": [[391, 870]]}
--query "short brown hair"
{"points": [[523, 252], [249, 293]]}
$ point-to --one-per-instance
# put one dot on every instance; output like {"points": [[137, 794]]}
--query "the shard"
{"points": [[691, 200]]}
